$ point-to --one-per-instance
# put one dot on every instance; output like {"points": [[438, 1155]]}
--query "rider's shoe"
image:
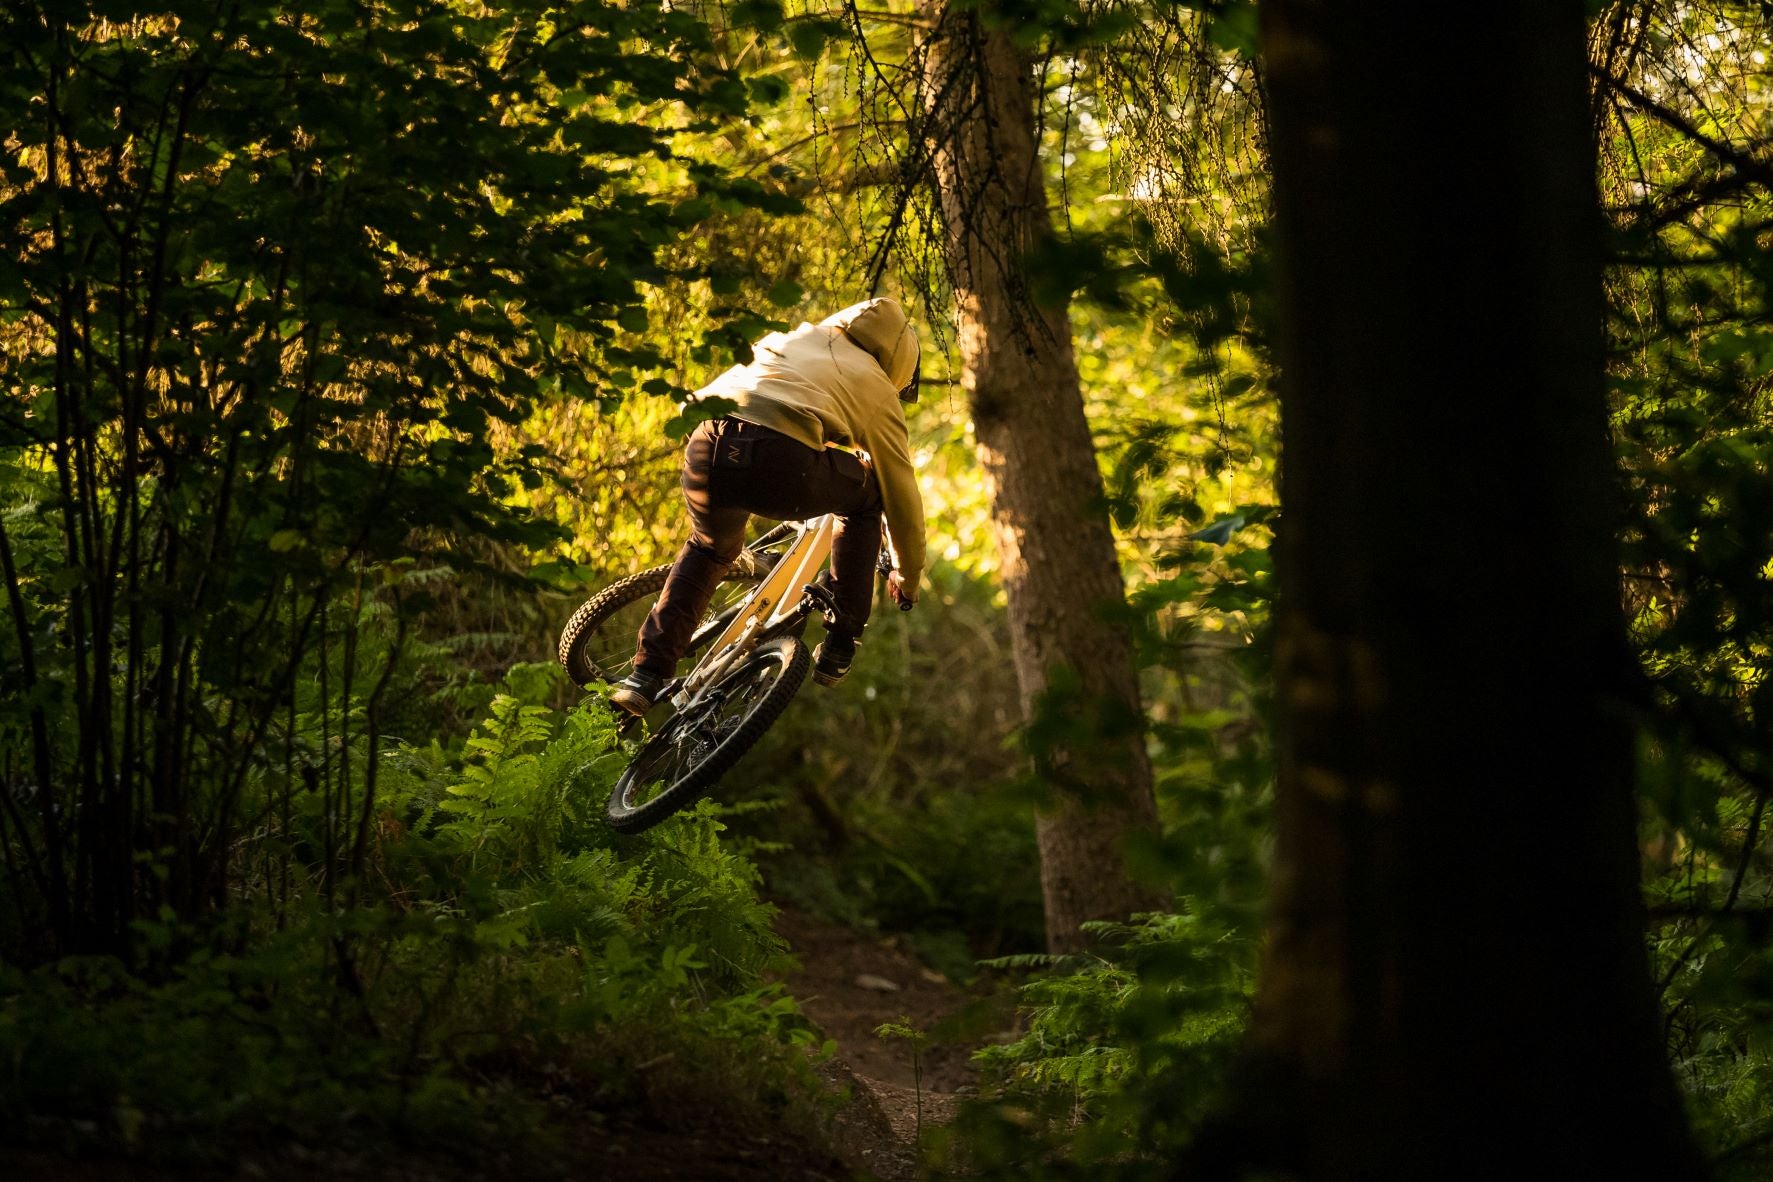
{"points": [[831, 660], [637, 692]]}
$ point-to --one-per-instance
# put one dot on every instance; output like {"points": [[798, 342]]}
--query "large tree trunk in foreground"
{"points": [[1057, 550], [1455, 982]]}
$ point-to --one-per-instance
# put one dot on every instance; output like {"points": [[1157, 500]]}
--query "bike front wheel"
{"points": [[697, 746]]}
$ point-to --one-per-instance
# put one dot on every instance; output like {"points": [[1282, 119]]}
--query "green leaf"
{"points": [[769, 89], [809, 37], [699, 411], [67, 578], [786, 293], [758, 14], [1234, 30]]}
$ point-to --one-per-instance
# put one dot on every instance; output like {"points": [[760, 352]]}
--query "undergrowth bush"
{"points": [[502, 945], [1123, 1050], [1124, 1047], [889, 792]]}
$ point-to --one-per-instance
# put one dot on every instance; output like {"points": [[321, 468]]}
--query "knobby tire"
{"points": [[785, 660], [613, 598], [647, 584]]}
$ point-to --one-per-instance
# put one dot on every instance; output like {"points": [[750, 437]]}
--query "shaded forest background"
{"points": [[346, 350]]}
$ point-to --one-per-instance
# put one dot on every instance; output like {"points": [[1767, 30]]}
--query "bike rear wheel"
{"points": [[597, 643], [691, 751]]}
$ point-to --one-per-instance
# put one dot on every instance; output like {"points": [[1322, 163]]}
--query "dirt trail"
{"points": [[851, 983]]}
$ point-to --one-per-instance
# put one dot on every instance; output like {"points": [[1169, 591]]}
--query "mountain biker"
{"points": [[808, 395]]}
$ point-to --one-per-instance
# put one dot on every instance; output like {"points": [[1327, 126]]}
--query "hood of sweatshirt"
{"points": [[882, 329]]}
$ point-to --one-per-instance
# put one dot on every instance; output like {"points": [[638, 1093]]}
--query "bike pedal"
{"points": [[820, 598]]}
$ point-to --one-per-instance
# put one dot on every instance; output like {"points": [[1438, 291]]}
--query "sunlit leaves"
{"points": [[287, 281]]}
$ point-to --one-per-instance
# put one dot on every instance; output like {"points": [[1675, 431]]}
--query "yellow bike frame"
{"points": [[773, 601]]}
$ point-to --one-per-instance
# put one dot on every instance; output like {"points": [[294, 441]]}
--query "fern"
{"points": [[1145, 1023]]}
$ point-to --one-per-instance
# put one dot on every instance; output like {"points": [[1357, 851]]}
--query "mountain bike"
{"points": [[749, 663]]}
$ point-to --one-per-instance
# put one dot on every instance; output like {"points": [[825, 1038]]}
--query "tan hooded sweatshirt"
{"points": [[838, 382]]}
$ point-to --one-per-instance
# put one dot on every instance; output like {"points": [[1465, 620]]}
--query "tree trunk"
{"points": [[1454, 981], [1056, 547]]}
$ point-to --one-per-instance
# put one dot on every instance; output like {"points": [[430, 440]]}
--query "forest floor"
{"points": [[849, 983]]}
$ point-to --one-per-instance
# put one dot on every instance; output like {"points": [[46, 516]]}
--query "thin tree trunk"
{"points": [[1053, 535], [1454, 981]]}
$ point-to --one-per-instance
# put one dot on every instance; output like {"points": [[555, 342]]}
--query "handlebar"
{"points": [[884, 565]]}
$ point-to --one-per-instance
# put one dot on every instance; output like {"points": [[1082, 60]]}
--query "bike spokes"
{"points": [[690, 737], [686, 754]]}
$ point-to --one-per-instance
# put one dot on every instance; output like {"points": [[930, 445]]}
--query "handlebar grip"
{"points": [[884, 567]]}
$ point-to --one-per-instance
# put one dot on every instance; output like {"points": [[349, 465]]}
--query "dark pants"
{"points": [[732, 469]]}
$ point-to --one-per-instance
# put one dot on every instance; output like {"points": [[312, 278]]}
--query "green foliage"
{"points": [[322, 328], [1127, 1049], [1124, 1050], [887, 826], [1689, 296], [502, 927], [285, 282]]}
